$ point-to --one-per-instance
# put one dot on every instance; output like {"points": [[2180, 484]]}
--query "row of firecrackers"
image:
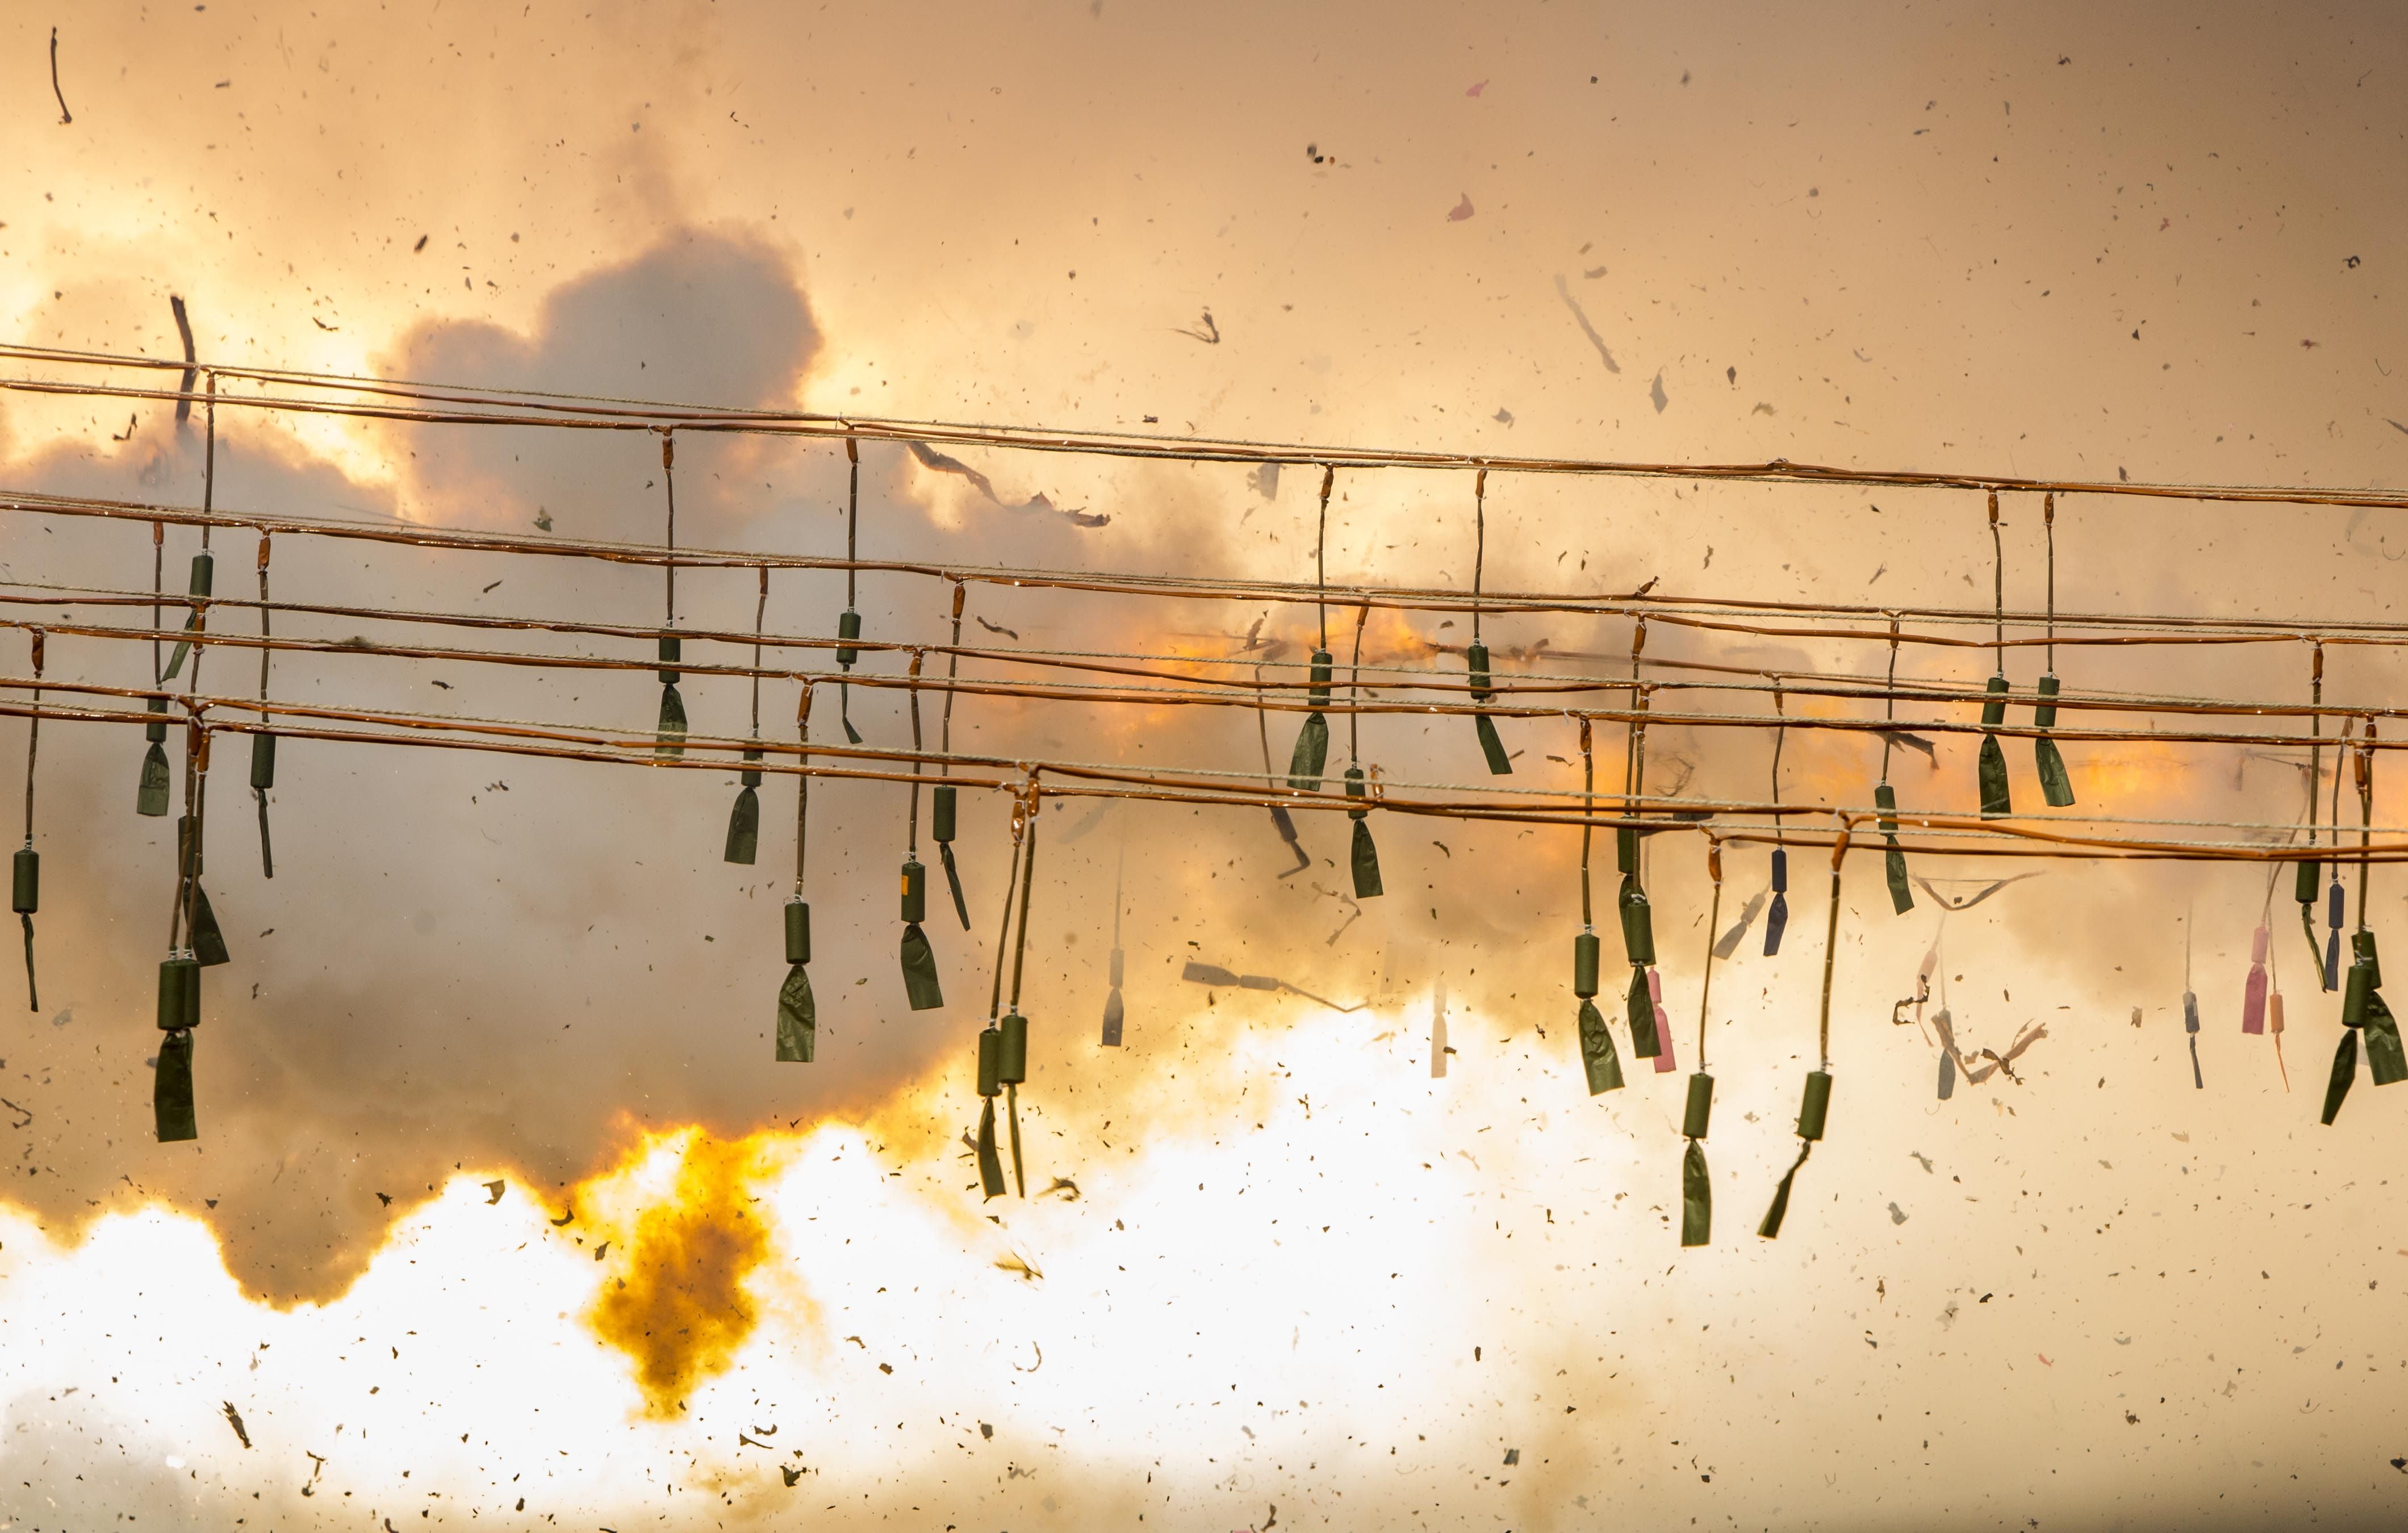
{"points": [[197, 940]]}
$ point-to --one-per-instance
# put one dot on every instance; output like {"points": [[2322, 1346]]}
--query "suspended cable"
{"points": [[562, 411]]}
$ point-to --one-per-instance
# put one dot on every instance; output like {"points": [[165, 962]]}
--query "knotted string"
{"points": [[2190, 1001], [989, 1042], [1902, 893], [920, 985], [201, 564], [1113, 1009], [848, 623], [263, 745], [1992, 769], [2055, 787], [150, 797], [669, 736], [1776, 920], [1364, 853], [1598, 1060], [1648, 1039], [1491, 747], [798, 1010], [744, 820], [2386, 1061], [1015, 1048], [944, 793], [2304, 889], [1310, 760], [27, 873], [2336, 901], [1697, 1186], [1815, 1108], [180, 975]]}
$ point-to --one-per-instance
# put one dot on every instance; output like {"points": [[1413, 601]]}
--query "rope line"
{"points": [[496, 406]]}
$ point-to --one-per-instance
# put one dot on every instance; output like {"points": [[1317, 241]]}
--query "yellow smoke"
{"points": [[689, 1229]]}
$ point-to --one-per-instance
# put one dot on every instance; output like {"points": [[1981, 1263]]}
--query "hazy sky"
{"points": [[2075, 241]]}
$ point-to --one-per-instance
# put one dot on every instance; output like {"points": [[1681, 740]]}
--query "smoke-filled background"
{"points": [[500, 1212]]}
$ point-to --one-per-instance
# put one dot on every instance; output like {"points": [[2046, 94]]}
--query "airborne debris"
{"points": [[1214, 975], [1999, 1064], [1969, 901], [1010, 1261], [931, 459], [1563, 291], [1728, 942], [1280, 820], [492, 1193], [1911, 742], [184, 386], [66, 117], [234, 1419]]}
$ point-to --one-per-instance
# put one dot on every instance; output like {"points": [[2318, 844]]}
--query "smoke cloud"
{"points": [[499, 1199]]}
